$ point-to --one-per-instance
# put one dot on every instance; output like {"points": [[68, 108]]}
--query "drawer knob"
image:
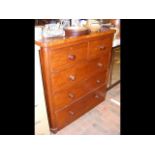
{"points": [[71, 113], [72, 78], [71, 57], [71, 95], [101, 47], [99, 64], [97, 96], [98, 81]]}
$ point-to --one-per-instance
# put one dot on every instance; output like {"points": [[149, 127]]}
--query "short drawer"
{"points": [[98, 65], [61, 58], [69, 95], [99, 47], [75, 110]]}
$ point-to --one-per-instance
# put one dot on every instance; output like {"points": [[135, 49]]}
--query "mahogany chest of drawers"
{"points": [[75, 73]]}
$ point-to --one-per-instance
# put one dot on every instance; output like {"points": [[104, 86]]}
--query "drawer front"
{"points": [[63, 57], [74, 93], [98, 65], [69, 77], [99, 47], [78, 73], [74, 111]]}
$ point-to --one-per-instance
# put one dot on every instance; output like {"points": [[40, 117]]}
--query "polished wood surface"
{"points": [[75, 110], [69, 76], [76, 31], [75, 73], [99, 47], [74, 93], [63, 57]]}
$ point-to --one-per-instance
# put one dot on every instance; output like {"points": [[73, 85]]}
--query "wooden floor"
{"points": [[104, 119]]}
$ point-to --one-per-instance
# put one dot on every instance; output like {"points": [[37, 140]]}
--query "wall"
{"points": [[41, 121]]}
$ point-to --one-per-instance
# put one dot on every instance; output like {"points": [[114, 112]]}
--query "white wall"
{"points": [[41, 122]]}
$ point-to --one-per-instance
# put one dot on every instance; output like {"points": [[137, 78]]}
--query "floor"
{"points": [[104, 119]]}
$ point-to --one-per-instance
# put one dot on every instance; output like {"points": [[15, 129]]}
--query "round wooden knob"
{"points": [[99, 64], [98, 81], [72, 57], [72, 78], [71, 112], [101, 47], [71, 95], [97, 96]]}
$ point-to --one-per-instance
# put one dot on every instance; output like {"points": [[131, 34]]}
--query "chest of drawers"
{"points": [[75, 73]]}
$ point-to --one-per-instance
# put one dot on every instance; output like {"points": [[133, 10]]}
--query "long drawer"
{"points": [[69, 95], [78, 108], [78, 73]]}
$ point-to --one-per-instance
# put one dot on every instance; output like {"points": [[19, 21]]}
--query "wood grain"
{"points": [[75, 72], [77, 109]]}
